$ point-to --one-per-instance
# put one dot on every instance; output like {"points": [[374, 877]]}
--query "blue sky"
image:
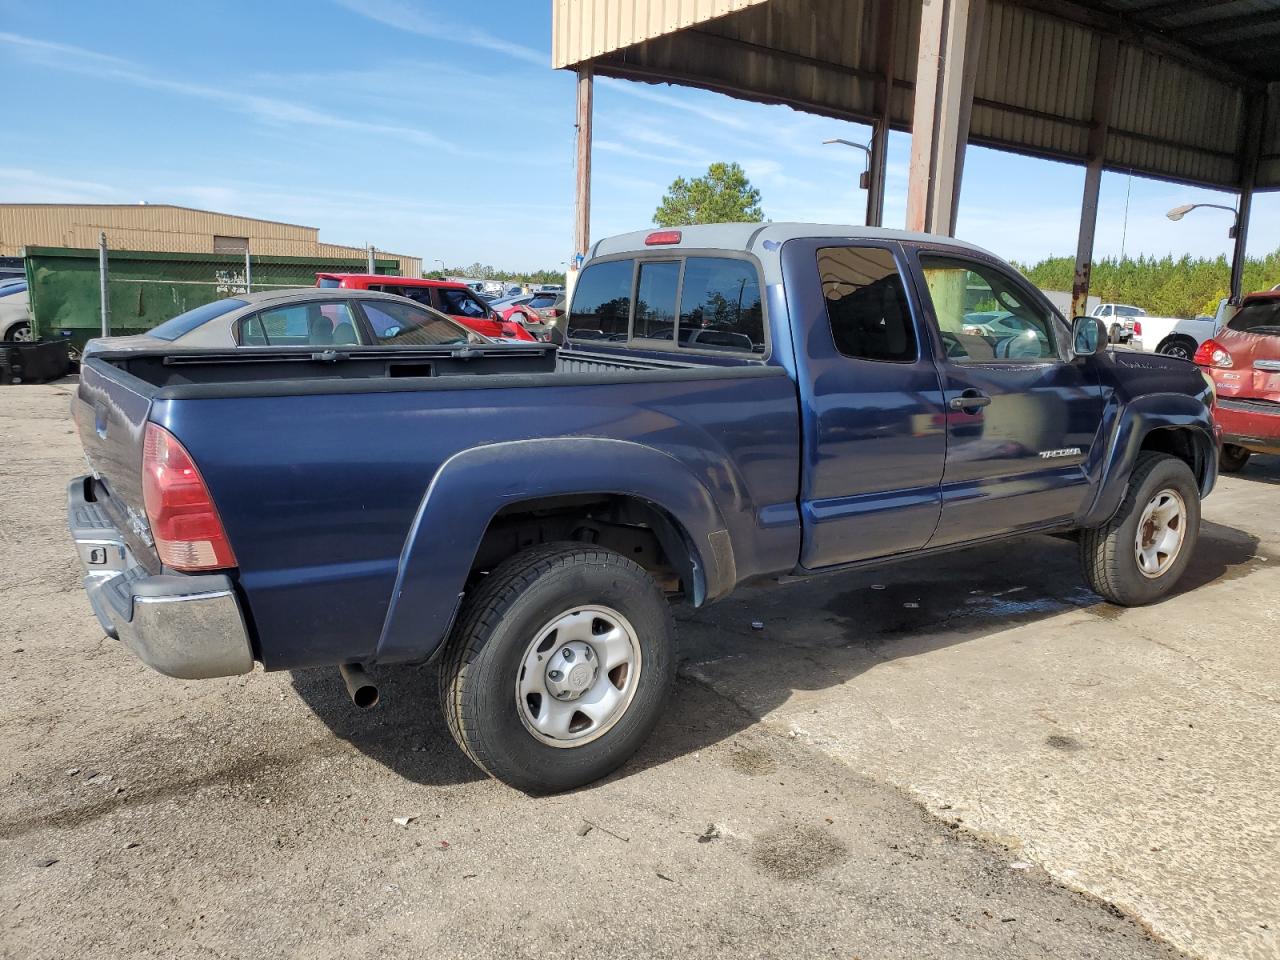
{"points": [[438, 129]]}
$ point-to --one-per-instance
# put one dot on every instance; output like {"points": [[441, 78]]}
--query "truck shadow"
{"points": [[770, 641], [1261, 468]]}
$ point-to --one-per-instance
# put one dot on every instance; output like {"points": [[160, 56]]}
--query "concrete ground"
{"points": [[898, 765]]}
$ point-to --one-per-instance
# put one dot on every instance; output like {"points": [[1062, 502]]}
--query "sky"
{"points": [[438, 129]]}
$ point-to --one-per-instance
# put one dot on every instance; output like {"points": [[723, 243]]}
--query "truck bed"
{"points": [[320, 464]]}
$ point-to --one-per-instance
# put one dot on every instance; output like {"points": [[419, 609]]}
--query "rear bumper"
{"points": [[184, 626], [1248, 424]]}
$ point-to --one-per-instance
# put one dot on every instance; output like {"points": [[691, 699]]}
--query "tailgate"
{"points": [[111, 409]]}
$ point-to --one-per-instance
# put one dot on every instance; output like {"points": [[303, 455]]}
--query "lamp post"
{"points": [[1237, 262], [864, 180]]}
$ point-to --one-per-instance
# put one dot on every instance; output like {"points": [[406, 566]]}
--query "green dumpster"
{"points": [[145, 289]]}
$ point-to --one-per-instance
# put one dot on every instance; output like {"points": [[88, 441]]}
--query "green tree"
{"points": [[723, 195]]}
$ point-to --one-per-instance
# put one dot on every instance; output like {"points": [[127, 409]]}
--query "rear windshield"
{"points": [[1258, 316], [328, 282], [186, 322], [542, 301], [1130, 312]]}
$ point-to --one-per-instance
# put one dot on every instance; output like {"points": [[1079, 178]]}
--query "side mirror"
{"points": [[1088, 336]]}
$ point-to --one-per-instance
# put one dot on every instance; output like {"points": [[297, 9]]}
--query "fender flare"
{"points": [[472, 486], [1131, 424]]}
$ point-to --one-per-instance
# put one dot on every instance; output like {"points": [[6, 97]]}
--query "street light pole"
{"points": [[1237, 262], [864, 181]]}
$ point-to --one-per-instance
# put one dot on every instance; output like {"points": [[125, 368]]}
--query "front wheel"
{"points": [[1233, 458], [559, 668], [19, 333], [1139, 555]]}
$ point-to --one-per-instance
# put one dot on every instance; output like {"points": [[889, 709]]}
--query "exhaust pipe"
{"points": [[360, 686]]}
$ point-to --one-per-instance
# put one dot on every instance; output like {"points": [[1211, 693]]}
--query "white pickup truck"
{"points": [[1172, 336]]}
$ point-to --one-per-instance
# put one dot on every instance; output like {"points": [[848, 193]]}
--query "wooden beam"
{"points": [[1103, 88], [582, 166]]}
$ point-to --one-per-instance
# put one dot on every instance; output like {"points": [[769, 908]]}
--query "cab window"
{"points": [[601, 307], [984, 315]]}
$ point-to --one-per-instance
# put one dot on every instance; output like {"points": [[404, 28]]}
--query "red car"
{"points": [[1243, 358], [456, 300]]}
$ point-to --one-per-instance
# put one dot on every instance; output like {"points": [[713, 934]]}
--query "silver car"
{"points": [[299, 317]]}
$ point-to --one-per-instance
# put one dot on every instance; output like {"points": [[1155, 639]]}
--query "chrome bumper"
{"points": [[186, 626]]}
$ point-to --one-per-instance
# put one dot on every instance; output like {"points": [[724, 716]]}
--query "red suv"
{"points": [[1243, 358], [453, 299]]}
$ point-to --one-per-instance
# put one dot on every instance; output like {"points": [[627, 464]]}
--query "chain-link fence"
{"points": [[78, 294]]}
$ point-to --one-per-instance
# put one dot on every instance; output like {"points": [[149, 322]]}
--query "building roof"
{"points": [[1195, 81], [158, 206]]}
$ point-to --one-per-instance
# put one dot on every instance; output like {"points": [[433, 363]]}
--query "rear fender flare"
{"points": [[472, 486], [1130, 426]]}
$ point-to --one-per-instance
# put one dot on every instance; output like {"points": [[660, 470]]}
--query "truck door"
{"points": [[1021, 417], [874, 431]]}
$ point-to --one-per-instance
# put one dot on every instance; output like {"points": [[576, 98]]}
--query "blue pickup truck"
{"points": [[732, 402]]}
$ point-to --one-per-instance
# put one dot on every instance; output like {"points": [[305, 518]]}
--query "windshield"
{"points": [[1258, 316], [184, 323]]}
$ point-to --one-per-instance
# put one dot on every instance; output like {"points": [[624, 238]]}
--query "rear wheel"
{"points": [[1184, 348], [559, 668], [1233, 458], [1141, 553]]}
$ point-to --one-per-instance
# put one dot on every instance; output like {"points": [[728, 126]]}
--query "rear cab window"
{"points": [[700, 303]]}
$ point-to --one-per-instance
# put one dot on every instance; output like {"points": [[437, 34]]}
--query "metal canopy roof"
{"points": [[1193, 78]]}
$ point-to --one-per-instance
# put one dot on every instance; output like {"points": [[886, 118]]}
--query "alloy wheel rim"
{"points": [[22, 334], [578, 676], [1162, 528]]}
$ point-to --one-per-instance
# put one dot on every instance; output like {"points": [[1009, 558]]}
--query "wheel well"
{"points": [[1180, 443], [631, 526]]}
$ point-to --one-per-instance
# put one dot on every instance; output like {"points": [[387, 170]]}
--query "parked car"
{"points": [[298, 317], [1243, 358], [1118, 318], [526, 531], [550, 305], [457, 300], [518, 310], [1172, 336], [15, 311]]}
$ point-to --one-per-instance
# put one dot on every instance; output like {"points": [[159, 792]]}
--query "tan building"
{"points": [[164, 228]]}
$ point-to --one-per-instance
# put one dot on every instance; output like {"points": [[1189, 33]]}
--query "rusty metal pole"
{"points": [[886, 29], [1251, 149], [582, 166], [1104, 78], [937, 134]]}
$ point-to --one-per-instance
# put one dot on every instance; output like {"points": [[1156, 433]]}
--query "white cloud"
{"points": [[21, 185], [401, 16]]}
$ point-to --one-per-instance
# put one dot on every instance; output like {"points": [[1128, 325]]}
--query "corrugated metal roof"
{"points": [[1178, 105], [584, 29]]}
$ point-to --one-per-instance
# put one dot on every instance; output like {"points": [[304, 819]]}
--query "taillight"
{"points": [[1212, 354], [184, 522], [1137, 328]]}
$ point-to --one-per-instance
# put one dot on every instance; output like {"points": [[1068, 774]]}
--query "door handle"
{"points": [[968, 399]]}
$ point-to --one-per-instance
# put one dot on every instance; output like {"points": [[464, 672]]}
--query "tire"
{"points": [[1109, 555], [1184, 348], [1233, 458], [1115, 333], [574, 590], [19, 332]]}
